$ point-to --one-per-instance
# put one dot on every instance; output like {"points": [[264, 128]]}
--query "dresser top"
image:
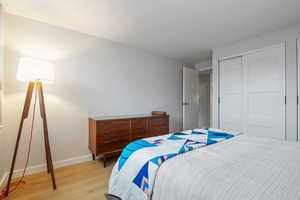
{"points": [[121, 116]]}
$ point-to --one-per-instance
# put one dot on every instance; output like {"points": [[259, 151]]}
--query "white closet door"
{"points": [[264, 103], [231, 94]]}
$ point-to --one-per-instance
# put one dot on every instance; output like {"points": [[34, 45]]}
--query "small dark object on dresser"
{"points": [[158, 113]]}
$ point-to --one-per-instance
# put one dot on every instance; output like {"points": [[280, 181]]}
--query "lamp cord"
{"points": [[16, 184]]}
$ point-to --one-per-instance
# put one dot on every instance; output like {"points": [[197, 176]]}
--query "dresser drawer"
{"points": [[138, 137], [113, 145], [138, 128], [111, 129], [158, 125], [159, 130], [140, 123], [157, 121]]}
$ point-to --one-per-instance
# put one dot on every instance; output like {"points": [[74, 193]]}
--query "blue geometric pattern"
{"points": [[174, 137], [160, 159], [180, 133], [214, 136], [157, 150], [188, 145], [142, 178], [131, 148], [197, 132]]}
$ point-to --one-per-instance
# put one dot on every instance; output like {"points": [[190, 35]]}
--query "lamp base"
{"points": [[30, 89]]}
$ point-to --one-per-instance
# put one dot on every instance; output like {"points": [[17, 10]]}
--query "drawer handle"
{"points": [[138, 137], [111, 141]]}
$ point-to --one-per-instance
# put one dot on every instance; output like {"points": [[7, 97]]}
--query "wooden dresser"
{"points": [[109, 135]]}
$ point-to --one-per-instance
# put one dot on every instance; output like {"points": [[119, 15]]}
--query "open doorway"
{"points": [[196, 98], [204, 98]]}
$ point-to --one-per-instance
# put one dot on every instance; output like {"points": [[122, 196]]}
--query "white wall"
{"points": [[203, 65], [288, 36], [3, 159], [2, 134], [92, 77]]}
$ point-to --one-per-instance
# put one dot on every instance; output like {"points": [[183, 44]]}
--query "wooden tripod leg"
{"points": [[47, 159], [46, 150], [24, 116], [47, 145], [45, 142]]}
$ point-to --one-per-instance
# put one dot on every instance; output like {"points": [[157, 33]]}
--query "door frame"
{"points": [[298, 85]]}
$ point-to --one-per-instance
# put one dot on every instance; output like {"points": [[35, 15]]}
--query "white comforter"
{"points": [[241, 168], [134, 174]]}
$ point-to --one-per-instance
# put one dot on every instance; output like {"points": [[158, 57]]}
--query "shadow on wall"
{"points": [[204, 98]]}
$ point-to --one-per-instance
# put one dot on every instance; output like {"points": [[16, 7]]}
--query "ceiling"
{"points": [[186, 30]]}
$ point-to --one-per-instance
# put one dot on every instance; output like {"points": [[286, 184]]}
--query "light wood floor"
{"points": [[84, 181]]}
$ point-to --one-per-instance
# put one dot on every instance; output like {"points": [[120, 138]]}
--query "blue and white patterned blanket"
{"points": [[134, 173]]}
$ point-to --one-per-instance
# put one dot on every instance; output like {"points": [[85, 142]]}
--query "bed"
{"points": [[237, 167]]}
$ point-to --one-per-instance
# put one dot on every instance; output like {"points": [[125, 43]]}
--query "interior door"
{"points": [[190, 98], [264, 104], [231, 94]]}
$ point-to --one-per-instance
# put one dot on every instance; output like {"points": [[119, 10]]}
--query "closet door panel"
{"points": [[265, 92], [231, 94]]}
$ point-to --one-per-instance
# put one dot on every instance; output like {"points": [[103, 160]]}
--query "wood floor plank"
{"points": [[85, 181]]}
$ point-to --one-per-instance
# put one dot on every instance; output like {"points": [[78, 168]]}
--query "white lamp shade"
{"points": [[31, 69]]}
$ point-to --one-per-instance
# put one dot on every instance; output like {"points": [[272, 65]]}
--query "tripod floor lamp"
{"points": [[35, 72]]}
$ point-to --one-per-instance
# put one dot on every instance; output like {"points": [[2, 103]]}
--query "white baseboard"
{"points": [[3, 179], [42, 167]]}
